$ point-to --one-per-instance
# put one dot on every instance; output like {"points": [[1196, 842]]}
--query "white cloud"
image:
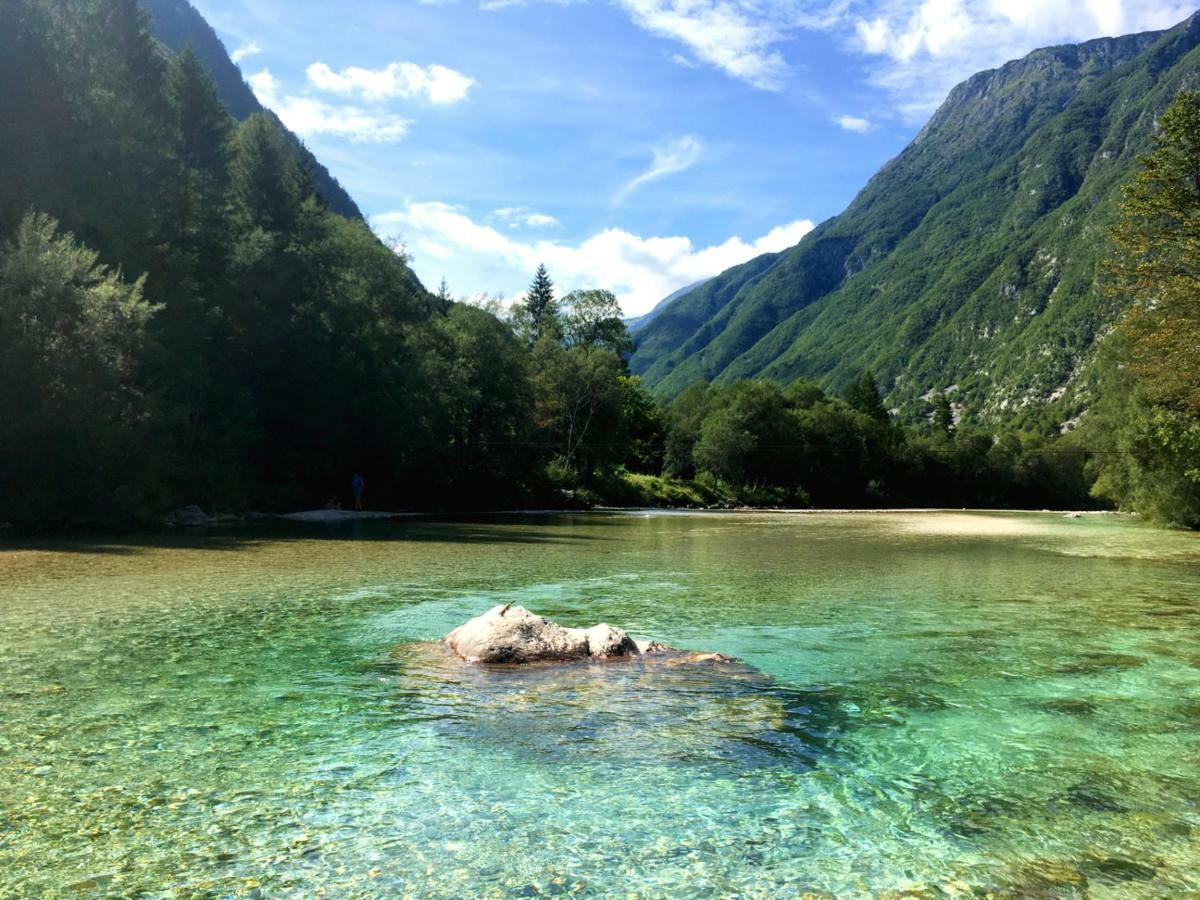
{"points": [[641, 271], [519, 216], [669, 158], [307, 116], [855, 124], [733, 36], [265, 86], [250, 48], [740, 37], [434, 83], [925, 47]]}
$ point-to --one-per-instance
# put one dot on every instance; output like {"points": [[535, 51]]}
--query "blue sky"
{"points": [[634, 145]]}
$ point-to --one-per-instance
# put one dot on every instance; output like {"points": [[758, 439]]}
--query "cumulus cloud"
{"points": [[669, 158], [925, 47], [406, 80], [307, 116], [520, 217], [250, 48], [855, 124], [640, 271]]}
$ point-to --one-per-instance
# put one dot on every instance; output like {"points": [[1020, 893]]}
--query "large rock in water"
{"points": [[512, 634], [188, 517]]}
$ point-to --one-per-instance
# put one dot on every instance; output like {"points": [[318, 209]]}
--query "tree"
{"points": [[579, 403], [943, 414], [684, 418], [538, 316], [197, 228], [1147, 424], [1156, 263], [642, 420], [264, 178], [71, 335], [867, 399], [443, 295], [478, 376], [593, 320]]}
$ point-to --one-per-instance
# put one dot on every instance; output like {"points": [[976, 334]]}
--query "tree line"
{"points": [[182, 320]]}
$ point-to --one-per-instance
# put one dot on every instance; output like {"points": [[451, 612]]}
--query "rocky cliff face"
{"points": [[969, 260]]}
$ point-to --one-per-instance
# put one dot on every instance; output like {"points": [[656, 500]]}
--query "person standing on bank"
{"points": [[358, 484]]}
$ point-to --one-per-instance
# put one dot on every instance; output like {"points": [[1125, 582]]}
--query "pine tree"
{"points": [[264, 181], [443, 294], [198, 228], [867, 399], [943, 414], [538, 315]]}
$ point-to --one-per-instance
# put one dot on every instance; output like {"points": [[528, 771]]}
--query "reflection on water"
{"points": [[927, 705]]}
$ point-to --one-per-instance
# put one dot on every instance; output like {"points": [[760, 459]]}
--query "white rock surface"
{"points": [[512, 634], [605, 642]]}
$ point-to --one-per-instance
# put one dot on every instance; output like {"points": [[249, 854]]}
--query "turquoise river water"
{"points": [[927, 705]]}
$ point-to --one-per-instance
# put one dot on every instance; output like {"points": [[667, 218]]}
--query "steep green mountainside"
{"points": [[968, 262], [178, 25]]}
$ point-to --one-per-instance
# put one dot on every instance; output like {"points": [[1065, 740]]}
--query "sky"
{"points": [[634, 145]]}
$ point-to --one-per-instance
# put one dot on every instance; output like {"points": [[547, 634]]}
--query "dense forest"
{"points": [[183, 320]]}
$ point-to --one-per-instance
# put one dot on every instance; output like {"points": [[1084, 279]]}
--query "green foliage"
{"points": [[943, 414], [180, 28], [593, 319], [751, 442], [1148, 423], [580, 399], [971, 259], [867, 399], [538, 315], [71, 333], [1156, 260]]}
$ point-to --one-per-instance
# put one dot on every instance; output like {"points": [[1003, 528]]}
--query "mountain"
{"points": [[177, 24], [968, 263], [638, 322]]}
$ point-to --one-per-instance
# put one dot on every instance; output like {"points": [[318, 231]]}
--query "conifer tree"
{"points": [[943, 414], [263, 176], [443, 294], [538, 315], [197, 223], [867, 398]]}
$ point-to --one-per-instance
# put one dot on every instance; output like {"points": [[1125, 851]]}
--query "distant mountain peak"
{"points": [[968, 259]]}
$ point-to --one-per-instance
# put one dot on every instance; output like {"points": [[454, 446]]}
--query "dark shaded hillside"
{"points": [[969, 261], [178, 25]]}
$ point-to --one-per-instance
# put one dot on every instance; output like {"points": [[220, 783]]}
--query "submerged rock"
{"points": [[512, 634], [188, 517]]}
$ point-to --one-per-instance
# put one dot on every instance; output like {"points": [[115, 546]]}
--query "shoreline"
{"points": [[321, 516], [334, 517]]}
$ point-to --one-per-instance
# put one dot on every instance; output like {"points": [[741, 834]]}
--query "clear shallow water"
{"points": [[931, 705]]}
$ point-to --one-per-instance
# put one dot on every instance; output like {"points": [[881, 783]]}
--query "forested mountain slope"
{"points": [[646, 318], [178, 25], [968, 262]]}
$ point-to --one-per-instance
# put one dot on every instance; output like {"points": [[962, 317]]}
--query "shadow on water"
{"points": [[666, 712], [525, 528]]}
